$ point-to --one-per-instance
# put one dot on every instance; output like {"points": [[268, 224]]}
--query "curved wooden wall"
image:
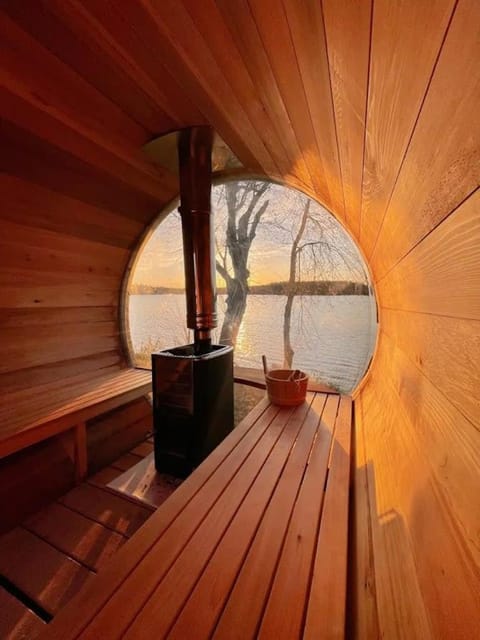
{"points": [[370, 107]]}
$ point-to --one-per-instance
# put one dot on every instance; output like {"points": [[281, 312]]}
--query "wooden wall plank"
{"points": [[429, 497], [347, 27], [441, 275], [28, 348], [30, 205], [395, 96], [442, 165], [97, 364], [31, 158], [115, 433], [445, 349]]}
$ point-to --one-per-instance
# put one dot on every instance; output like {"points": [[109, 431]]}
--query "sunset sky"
{"points": [[160, 262]]}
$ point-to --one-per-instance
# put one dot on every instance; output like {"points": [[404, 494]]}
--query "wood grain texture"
{"points": [[35, 476], [445, 349], [112, 34], [274, 27], [441, 275], [89, 57], [58, 105], [106, 508], [347, 30], [286, 604], [325, 615], [395, 96], [75, 535], [144, 483], [17, 622], [42, 572], [307, 29], [362, 622], [443, 159], [33, 415], [30, 205], [239, 19], [424, 530]]}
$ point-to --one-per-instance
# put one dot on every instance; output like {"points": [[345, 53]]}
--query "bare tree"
{"points": [[287, 315], [315, 254], [245, 204]]}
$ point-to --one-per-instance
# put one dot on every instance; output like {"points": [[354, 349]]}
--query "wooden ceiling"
{"points": [[347, 100]]}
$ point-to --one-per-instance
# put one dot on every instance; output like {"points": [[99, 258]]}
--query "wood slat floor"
{"points": [[46, 560]]}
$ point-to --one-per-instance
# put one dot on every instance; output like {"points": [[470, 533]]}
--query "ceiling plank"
{"points": [[402, 60], [442, 166], [88, 56], [243, 29], [347, 26], [108, 30], [305, 20]]}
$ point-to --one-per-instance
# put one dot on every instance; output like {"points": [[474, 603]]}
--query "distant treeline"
{"points": [[312, 288]]}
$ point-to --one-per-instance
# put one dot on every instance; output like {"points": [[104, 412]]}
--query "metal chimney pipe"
{"points": [[195, 168]]}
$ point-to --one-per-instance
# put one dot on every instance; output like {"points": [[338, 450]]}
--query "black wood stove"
{"points": [[193, 384]]}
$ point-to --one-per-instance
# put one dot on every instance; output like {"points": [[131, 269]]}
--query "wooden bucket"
{"points": [[284, 391]]}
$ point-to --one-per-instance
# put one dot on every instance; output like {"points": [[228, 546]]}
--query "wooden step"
{"points": [[43, 573], [17, 622], [126, 461], [104, 476], [84, 540], [105, 507], [144, 483]]}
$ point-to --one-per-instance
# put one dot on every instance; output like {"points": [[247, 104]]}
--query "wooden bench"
{"points": [[30, 416], [252, 545]]}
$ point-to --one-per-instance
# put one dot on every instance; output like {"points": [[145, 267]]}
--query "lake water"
{"points": [[333, 336]]}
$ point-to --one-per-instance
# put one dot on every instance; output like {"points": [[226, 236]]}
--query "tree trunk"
{"points": [[241, 232], [288, 351]]}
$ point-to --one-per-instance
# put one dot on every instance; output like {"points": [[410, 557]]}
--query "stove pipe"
{"points": [[195, 168]]}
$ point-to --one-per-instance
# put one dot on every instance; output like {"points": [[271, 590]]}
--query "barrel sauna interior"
{"points": [[370, 107]]}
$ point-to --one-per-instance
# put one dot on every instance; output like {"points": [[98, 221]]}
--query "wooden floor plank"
{"points": [[284, 613], [131, 595], [115, 512], [235, 515], [43, 573], [326, 607], [145, 483], [86, 541], [17, 622], [104, 477], [143, 449], [126, 461]]}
